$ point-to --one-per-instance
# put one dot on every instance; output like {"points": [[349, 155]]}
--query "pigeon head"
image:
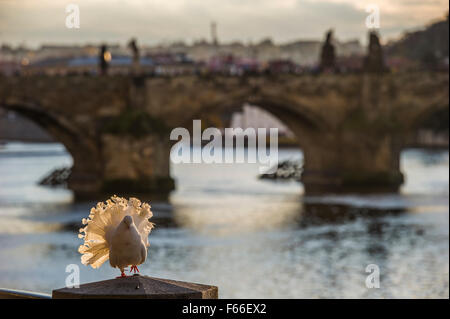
{"points": [[128, 220]]}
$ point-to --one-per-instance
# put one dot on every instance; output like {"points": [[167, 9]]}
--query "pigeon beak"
{"points": [[128, 220]]}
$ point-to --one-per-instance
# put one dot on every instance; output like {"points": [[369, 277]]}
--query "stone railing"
{"points": [[133, 287]]}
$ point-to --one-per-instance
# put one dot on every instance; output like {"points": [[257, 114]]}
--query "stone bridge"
{"points": [[351, 127]]}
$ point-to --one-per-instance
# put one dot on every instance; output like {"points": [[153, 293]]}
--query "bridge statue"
{"points": [[374, 61], [327, 57], [135, 51]]}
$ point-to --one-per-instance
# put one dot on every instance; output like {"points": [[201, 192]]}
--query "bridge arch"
{"points": [[299, 119], [308, 127], [86, 168], [438, 110]]}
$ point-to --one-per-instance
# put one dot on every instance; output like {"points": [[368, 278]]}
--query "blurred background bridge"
{"points": [[351, 128], [114, 116]]}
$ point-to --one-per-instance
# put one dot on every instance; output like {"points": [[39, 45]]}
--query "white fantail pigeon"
{"points": [[118, 231]]}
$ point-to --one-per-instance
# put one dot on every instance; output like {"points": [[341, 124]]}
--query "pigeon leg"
{"points": [[134, 269], [122, 274]]}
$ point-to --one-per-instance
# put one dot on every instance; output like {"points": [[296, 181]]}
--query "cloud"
{"points": [[153, 21]]}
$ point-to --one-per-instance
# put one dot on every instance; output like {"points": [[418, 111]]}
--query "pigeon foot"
{"points": [[134, 268], [122, 275]]}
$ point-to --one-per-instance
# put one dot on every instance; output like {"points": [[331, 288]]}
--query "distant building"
{"points": [[281, 66], [353, 63], [9, 67], [87, 65], [63, 59]]}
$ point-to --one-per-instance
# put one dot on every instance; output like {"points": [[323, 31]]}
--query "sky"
{"points": [[36, 22]]}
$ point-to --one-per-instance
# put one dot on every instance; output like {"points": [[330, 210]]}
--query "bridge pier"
{"points": [[136, 165], [84, 184], [126, 165], [352, 164]]}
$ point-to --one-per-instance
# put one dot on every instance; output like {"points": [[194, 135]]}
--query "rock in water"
{"points": [[285, 170], [58, 177]]}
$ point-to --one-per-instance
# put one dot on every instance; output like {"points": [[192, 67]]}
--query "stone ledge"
{"points": [[138, 287]]}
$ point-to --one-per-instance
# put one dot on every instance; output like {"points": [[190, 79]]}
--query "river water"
{"points": [[252, 238]]}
